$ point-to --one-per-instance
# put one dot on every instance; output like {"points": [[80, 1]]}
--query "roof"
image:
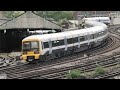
{"points": [[3, 19], [29, 20]]}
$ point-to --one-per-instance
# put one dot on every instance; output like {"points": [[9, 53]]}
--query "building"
{"points": [[3, 19], [13, 31]]}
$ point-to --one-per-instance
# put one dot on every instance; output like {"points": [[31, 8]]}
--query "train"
{"points": [[105, 20], [55, 45]]}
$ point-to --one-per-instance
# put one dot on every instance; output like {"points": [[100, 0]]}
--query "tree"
{"points": [[56, 15]]}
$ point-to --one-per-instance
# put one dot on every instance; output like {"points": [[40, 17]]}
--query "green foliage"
{"points": [[56, 15], [12, 14], [74, 74], [59, 16], [99, 70]]}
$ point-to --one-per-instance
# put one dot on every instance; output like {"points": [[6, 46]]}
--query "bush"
{"points": [[74, 74], [99, 70]]}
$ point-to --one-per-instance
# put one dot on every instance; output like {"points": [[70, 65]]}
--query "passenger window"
{"points": [[55, 43], [61, 42], [46, 44], [82, 38], [70, 41], [75, 40]]}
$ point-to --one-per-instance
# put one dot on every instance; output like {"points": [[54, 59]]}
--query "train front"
{"points": [[31, 49]]}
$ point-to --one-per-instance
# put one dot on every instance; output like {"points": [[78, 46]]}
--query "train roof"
{"points": [[95, 18], [97, 27], [69, 34]]}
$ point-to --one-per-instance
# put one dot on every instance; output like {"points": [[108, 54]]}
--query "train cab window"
{"points": [[26, 46], [46, 44], [34, 45]]}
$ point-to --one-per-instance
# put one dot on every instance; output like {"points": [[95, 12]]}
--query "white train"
{"points": [[40, 47], [105, 20]]}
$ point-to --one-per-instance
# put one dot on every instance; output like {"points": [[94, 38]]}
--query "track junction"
{"points": [[57, 68]]}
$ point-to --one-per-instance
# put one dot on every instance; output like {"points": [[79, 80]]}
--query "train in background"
{"points": [[105, 20], [55, 45]]}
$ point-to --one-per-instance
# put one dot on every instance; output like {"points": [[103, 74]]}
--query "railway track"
{"points": [[29, 67], [16, 71], [61, 72], [6, 61], [112, 73], [18, 74]]}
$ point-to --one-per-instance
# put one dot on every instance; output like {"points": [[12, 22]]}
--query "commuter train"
{"points": [[49, 46], [105, 20]]}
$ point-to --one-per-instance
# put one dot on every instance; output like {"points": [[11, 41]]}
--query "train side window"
{"points": [[93, 36], [90, 36], [46, 44], [61, 42], [55, 43], [82, 38], [75, 40], [70, 40]]}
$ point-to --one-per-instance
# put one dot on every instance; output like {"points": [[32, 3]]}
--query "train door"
{"points": [[95, 37], [78, 41], [50, 46], [65, 42]]}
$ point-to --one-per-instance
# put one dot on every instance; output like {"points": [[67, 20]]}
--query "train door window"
{"points": [[82, 38], [70, 40], [46, 44], [75, 40]]}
